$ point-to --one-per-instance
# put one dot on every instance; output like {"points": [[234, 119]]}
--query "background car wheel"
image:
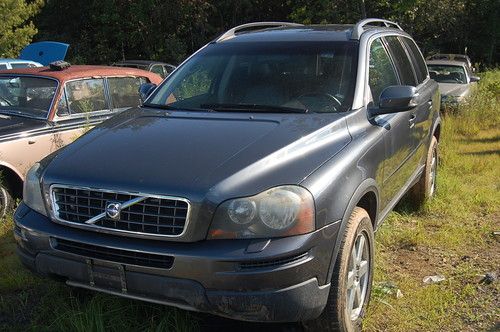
{"points": [[351, 280], [6, 202], [425, 188]]}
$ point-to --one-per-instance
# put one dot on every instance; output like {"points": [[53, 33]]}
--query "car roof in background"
{"points": [[141, 62], [81, 71], [7, 60], [445, 63]]}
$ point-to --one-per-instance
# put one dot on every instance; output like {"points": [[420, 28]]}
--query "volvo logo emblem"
{"points": [[113, 210]]}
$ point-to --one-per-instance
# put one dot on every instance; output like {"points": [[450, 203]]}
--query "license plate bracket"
{"points": [[106, 275]]}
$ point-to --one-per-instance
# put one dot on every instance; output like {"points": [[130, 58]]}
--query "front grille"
{"points": [[273, 262], [154, 215], [114, 255]]}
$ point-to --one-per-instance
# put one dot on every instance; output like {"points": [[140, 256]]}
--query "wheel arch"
{"points": [[13, 180], [365, 196]]}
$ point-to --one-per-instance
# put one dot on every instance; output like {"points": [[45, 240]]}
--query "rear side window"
{"points": [[402, 61], [420, 66], [124, 91], [85, 96], [3, 67], [381, 74], [19, 65], [158, 69]]}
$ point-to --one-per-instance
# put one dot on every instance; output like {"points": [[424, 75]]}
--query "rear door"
{"points": [[417, 120]]}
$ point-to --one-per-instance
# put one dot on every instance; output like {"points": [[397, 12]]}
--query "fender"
{"points": [[368, 185], [12, 168]]}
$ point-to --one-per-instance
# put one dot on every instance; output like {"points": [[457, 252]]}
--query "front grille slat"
{"points": [[114, 255], [153, 215]]}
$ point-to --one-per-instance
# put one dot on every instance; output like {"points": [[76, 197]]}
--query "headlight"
{"points": [[277, 212], [32, 192]]}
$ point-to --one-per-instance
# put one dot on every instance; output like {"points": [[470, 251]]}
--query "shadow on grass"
{"points": [[481, 153], [481, 140]]}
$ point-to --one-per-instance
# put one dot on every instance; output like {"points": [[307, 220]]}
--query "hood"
{"points": [[44, 52], [12, 126], [197, 154], [455, 90]]}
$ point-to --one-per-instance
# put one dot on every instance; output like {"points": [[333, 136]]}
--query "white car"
{"points": [[17, 63], [455, 80]]}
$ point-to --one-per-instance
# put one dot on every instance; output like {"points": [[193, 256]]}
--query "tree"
{"points": [[16, 29]]}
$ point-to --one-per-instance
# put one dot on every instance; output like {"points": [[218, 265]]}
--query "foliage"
{"points": [[104, 31], [16, 29]]}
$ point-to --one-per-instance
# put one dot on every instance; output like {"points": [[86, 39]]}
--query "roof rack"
{"points": [[254, 26], [359, 27]]}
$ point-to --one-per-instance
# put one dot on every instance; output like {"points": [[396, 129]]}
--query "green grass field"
{"points": [[452, 236]]}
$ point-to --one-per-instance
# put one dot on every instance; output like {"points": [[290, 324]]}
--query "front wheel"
{"points": [[352, 278]]}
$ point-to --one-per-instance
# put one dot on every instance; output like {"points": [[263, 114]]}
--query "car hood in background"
{"points": [[44, 52], [455, 90], [197, 154]]}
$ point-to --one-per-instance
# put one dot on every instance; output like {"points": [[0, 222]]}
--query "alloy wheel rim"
{"points": [[358, 276], [433, 172]]}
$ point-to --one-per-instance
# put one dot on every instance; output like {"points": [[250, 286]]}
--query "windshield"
{"points": [[264, 77], [447, 74], [26, 96]]}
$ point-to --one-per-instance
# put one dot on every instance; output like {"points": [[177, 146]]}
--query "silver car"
{"points": [[455, 80]]}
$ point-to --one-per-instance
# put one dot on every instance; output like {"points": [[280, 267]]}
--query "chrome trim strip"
{"points": [[55, 216]]}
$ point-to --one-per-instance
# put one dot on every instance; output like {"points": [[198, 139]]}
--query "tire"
{"points": [[338, 314], [6, 202], [426, 186]]}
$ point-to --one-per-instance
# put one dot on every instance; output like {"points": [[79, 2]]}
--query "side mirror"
{"points": [[475, 79], [145, 90], [396, 98]]}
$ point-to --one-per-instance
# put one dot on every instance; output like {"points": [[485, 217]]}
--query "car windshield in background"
{"points": [[263, 77], [448, 74], [26, 96]]}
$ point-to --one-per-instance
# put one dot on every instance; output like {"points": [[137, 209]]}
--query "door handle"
{"points": [[31, 142], [412, 120]]}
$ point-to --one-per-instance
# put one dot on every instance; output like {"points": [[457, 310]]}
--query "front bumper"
{"points": [[277, 280]]}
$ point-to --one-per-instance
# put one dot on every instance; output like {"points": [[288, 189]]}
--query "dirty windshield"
{"points": [[26, 96]]}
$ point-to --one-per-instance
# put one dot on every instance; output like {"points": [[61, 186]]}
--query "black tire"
{"points": [[6, 202], [426, 186], [336, 315]]}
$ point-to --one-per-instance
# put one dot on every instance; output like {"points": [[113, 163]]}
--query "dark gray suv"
{"points": [[250, 182]]}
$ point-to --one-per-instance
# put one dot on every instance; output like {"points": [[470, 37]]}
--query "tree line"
{"points": [[104, 31]]}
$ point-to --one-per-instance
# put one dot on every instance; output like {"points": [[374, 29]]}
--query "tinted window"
{"points": [[402, 61], [124, 91], [381, 73], [26, 96], [239, 77], [418, 60], [3, 67], [86, 96]]}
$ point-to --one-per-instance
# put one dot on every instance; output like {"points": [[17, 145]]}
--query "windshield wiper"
{"points": [[175, 108], [254, 108]]}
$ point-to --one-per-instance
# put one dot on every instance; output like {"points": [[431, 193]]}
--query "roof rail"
{"points": [[359, 27], [254, 26]]}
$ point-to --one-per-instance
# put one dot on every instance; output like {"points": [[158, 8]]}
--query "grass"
{"points": [[452, 236]]}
